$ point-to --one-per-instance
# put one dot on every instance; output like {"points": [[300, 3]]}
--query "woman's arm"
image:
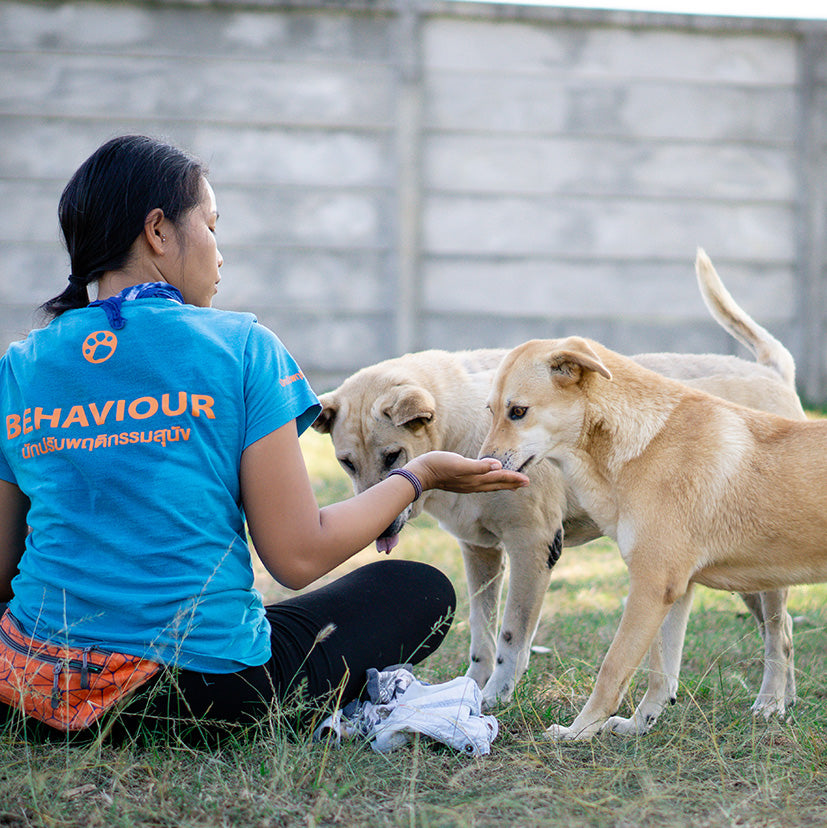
{"points": [[298, 542], [14, 506]]}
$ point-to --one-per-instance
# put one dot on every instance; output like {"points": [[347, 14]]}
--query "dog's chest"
{"points": [[462, 516]]}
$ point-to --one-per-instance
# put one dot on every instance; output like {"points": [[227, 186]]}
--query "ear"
{"points": [[155, 230], [577, 357], [409, 405], [330, 408]]}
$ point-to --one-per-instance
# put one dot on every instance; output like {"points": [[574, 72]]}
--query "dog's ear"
{"points": [[409, 405], [569, 363], [330, 408]]}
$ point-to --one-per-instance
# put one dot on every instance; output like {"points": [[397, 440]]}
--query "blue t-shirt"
{"points": [[128, 444]]}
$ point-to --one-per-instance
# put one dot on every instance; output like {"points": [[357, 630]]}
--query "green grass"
{"points": [[706, 763]]}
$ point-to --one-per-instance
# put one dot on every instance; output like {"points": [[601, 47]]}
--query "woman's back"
{"points": [[128, 442]]}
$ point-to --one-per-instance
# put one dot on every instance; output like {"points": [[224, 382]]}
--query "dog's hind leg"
{"points": [[776, 626], [664, 670], [484, 571], [530, 563]]}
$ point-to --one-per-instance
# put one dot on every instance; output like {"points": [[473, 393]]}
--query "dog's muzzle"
{"points": [[507, 460], [390, 537], [526, 464]]}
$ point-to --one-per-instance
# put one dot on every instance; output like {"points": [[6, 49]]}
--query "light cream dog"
{"points": [[388, 413], [695, 489]]}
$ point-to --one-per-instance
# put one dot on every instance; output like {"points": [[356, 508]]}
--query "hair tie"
{"points": [[77, 280]]}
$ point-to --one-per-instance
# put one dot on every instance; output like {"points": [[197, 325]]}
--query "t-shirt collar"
{"points": [[146, 290]]}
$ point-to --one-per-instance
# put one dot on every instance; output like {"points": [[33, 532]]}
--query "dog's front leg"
{"points": [[664, 670], [484, 570], [650, 598], [530, 565], [776, 627]]}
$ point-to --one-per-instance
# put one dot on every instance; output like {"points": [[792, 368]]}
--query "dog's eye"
{"points": [[347, 465], [391, 458], [517, 412]]}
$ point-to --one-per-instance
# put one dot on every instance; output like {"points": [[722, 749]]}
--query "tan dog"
{"points": [[693, 488], [388, 413]]}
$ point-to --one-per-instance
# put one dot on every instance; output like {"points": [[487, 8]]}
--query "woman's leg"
{"points": [[389, 612], [384, 613]]}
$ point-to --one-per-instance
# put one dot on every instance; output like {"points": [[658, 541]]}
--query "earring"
{"points": [[163, 237]]}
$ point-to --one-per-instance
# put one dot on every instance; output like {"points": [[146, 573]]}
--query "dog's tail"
{"points": [[765, 347]]}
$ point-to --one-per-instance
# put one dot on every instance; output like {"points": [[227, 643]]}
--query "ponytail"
{"points": [[75, 295]]}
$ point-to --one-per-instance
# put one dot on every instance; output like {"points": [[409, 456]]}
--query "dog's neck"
{"points": [[624, 415], [616, 430], [623, 431]]}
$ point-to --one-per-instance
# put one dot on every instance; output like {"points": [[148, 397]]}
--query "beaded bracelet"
{"points": [[411, 478]]}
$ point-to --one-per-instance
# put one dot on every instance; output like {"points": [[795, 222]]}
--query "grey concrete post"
{"points": [[409, 178], [812, 216]]}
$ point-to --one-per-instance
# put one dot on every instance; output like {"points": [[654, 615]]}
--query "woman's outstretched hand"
{"points": [[455, 473], [298, 542]]}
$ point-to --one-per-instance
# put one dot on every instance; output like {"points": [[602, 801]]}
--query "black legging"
{"points": [[385, 613], [322, 642]]}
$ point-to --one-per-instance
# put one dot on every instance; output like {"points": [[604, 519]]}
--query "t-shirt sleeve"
{"points": [[275, 389]]}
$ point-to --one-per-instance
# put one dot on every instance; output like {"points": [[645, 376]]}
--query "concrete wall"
{"points": [[400, 175]]}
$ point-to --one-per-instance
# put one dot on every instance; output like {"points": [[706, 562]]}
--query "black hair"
{"points": [[104, 206]]}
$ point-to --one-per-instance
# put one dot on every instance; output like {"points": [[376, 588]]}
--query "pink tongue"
{"points": [[386, 544]]}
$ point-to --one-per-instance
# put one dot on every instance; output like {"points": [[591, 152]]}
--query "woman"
{"points": [[141, 429]]}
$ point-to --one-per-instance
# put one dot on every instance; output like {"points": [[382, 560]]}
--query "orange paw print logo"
{"points": [[99, 346]]}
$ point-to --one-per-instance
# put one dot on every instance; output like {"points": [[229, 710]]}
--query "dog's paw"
{"points": [[633, 726], [769, 706], [494, 696], [559, 733], [499, 689], [479, 672]]}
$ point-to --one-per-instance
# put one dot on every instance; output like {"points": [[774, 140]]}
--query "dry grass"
{"points": [[707, 763]]}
